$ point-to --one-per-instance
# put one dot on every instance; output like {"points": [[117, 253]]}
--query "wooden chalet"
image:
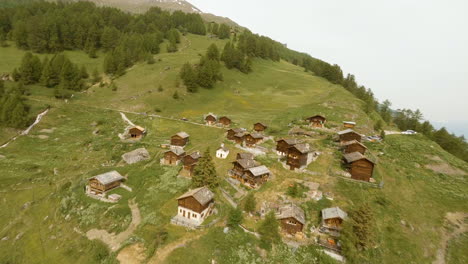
{"points": [[210, 119], [349, 124], [354, 146], [244, 155], [359, 166], [225, 121], [240, 166], [136, 132], [299, 156], [233, 131], [173, 157], [239, 138], [105, 182], [259, 127], [283, 145], [254, 177], [190, 161], [292, 218], [253, 139], [348, 135], [317, 121], [332, 218], [195, 206], [180, 139]]}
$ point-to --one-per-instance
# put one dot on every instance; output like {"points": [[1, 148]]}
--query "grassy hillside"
{"points": [[44, 211]]}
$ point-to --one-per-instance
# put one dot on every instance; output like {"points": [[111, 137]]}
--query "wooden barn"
{"points": [[231, 133], [239, 138], [136, 132], [348, 135], [283, 145], [244, 155], [253, 139], [332, 218], [225, 121], [359, 166], [105, 182], [180, 139], [254, 177], [173, 157], [354, 146], [195, 206], [189, 162], [317, 121], [259, 127], [299, 156], [292, 218], [240, 167], [349, 124], [210, 119]]}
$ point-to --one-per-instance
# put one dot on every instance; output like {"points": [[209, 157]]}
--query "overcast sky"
{"points": [[412, 52]]}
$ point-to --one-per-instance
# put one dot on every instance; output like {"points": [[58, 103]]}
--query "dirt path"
{"points": [[133, 254], [125, 119], [25, 132], [112, 240], [457, 221], [162, 253]]}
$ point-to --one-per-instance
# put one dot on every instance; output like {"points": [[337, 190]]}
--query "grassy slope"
{"points": [[275, 93]]}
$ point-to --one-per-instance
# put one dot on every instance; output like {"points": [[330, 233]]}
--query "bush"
{"points": [[175, 95]]}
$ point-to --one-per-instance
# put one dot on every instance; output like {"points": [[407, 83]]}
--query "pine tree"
{"points": [[250, 203], [224, 31], [30, 69], [16, 75], [269, 230], [204, 173], [46, 73], [212, 53], [189, 77], [234, 218], [175, 95]]}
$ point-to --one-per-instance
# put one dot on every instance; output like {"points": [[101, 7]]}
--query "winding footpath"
{"points": [[25, 132]]}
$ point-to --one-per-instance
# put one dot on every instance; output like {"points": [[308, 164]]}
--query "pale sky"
{"points": [[412, 52]]}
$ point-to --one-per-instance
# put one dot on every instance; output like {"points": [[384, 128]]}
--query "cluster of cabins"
{"points": [[249, 139], [248, 171], [212, 120], [298, 154]]}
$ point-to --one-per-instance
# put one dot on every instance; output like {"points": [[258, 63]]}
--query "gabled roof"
{"points": [[291, 141], [108, 177], [292, 210], [320, 116], [195, 155], [349, 122], [237, 130], [334, 212], [256, 135], [259, 170], [223, 149], [246, 163], [177, 151], [225, 117], [260, 123], [182, 134], [355, 156], [354, 142], [245, 155], [203, 195], [139, 128], [240, 134], [304, 148], [346, 131], [210, 114]]}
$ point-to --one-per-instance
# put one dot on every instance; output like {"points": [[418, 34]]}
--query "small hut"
{"points": [[349, 124], [348, 135], [233, 131], [210, 119], [190, 161], [254, 177], [283, 145], [359, 166], [317, 121], [239, 138], [240, 167], [244, 155], [173, 157], [225, 121], [292, 218], [253, 139], [136, 132], [332, 218], [354, 146], [259, 127], [180, 139], [299, 156], [105, 182]]}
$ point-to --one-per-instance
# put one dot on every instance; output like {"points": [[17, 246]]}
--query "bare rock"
{"points": [[136, 155]]}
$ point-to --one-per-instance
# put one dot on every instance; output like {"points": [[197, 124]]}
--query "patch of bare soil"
{"points": [[162, 253], [445, 169], [133, 254], [115, 240], [456, 220]]}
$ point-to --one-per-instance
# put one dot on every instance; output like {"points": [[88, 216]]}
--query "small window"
{"points": [[194, 215], [202, 215]]}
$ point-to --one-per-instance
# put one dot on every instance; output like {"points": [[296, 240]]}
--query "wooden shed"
{"points": [[292, 218], [354, 146], [180, 139], [348, 135], [253, 139], [239, 138], [244, 155], [298, 156], [254, 177], [105, 182], [210, 119], [196, 205], [173, 157], [190, 161], [233, 131], [136, 132], [225, 121], [259, 127], [332, 218], [359, 166], [240, 167], [317, 121], [349, 124], [283, 145]]}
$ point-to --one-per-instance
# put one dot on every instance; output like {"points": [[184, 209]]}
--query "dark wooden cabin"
{"points": [[136, 132], [259, 127], [240, 166], [254, 177], [180, 139], [190, 161], [225, 121], [239, 138], [292, 219], [283, 145], [298, 156], [244, 155], [359, 166], [317, 121], [354, 146], [173, 156], [253, 139], [211, 119], [349, 135], [233, 131], [333, 218], [105, 182], [349, 124]]}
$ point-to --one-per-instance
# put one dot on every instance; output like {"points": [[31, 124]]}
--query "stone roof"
{"points": [[321, 116], [292, 210], [177, 151], [238, 130], [334, 212], [225, 117], [245, 155], [210, 114], [182, 134], [346, 131], [240, 134], [139, 128], [108, 177], [354, 142], [349, 122], [195, 155], [259, 123], [304, 148], [291, 141], [203, 195], [247, 163], [256, 135], [259, 170], [136, 155], [355, 156]]}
